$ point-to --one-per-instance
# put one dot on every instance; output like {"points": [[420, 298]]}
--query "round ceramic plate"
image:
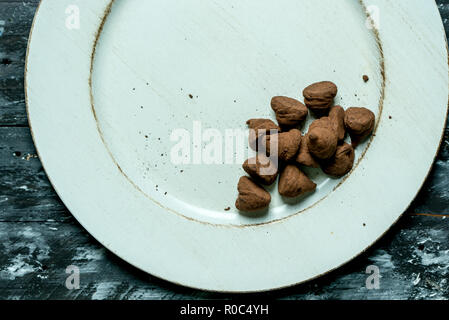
{"points": [[131, 102]]}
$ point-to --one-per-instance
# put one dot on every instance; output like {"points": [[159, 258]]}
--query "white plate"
{"points": [[103, 100]]}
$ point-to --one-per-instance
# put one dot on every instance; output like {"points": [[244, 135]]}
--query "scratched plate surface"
{"points": [[134, 73]]}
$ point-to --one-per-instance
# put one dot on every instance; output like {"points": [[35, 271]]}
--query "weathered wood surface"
{"points": [[39, 238]]}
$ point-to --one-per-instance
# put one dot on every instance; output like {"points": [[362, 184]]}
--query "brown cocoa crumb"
{"points": [[227, 209], [365, 78]]}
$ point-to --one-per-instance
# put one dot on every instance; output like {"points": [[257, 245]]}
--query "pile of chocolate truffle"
{"points": [[322, 146]]}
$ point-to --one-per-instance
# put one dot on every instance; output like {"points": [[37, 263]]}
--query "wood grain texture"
{"points": [[15, 19], [39, 238], [412, 258]]}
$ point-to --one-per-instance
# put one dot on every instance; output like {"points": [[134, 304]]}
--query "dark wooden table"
{"points": [[39, 238]]}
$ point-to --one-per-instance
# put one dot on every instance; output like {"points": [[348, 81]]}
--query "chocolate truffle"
{"points": [[289, 112], [322, 139], [304, 157], [293, 182], [261, 169], [337, 116], [258, 129], [319, 97], [252, 197], [288, 144], [360, 124], [341, 163]]}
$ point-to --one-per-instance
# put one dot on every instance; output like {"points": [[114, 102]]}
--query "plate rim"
{"points": [[183, 284]]}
